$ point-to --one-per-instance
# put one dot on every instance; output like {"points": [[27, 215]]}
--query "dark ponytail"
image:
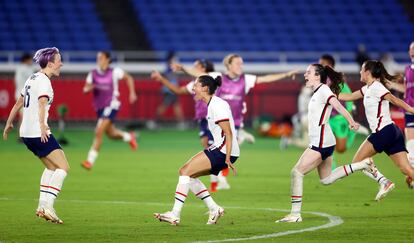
{"points": [[336, 78], [210, 82], [378, 71]]}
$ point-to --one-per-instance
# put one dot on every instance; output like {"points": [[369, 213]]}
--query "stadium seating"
{"points": [[70, 25], [275, 25]]}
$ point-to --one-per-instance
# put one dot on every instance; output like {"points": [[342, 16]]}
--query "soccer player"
{"points": [[36, 98], [235, 86], [103, 82], [222, 154], [203, 66], [408, 89], [385, 136], [322, 140]]}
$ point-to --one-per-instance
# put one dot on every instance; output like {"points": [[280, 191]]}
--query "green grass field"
{"points": [[115, 201]]}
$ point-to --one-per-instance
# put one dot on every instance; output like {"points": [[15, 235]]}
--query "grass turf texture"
{"points": [[115, 201]]}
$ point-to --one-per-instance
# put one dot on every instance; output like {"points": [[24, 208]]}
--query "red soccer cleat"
{"points": [[87, 165], [133, 143]]}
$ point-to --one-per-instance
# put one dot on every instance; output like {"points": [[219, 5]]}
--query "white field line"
{"points": [[333, 220]]}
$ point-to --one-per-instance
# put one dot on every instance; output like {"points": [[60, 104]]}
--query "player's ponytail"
{"points": [[210, 82], [378, 71], [336, 78]]}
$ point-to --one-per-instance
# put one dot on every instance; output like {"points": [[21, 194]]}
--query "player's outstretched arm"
{"points": [[174, 88], [178, 67], [350, 97], [9, 124], [399, 103], [276, 77], [341, 109]]}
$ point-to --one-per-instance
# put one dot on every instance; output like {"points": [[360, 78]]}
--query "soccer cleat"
{"points": [[223, 185], [371, 168], [290, 218], [167, 217], [410, 182], [87, 165], [385, 188], [39, 213], [50, 214], [133, 142], [214, 216]]}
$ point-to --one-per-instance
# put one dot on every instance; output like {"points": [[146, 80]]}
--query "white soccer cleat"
{"points": [[168, 217], [222, 183], [290, 218], [214, 216], [371, 168], [50, 214], [385, 188], [39, 212]]}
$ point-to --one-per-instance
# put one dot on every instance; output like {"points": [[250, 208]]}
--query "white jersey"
{"points": [[377, 110], [36, 87], [218, 111], [319, 111], [23, 72]]}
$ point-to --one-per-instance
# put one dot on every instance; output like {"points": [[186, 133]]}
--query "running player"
{"points": [[36, 98], [222, 154], [385, 136], [235, 86], [103, 81], [322, 140]]}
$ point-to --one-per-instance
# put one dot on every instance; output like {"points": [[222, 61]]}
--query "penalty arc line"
{"points": [[333, 220]]}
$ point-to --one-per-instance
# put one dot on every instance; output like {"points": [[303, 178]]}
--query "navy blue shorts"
{"points": [[409, 120], [204, 131], [41, 149], [218, 160], [107, 112], [389, 139], [325, 152]]}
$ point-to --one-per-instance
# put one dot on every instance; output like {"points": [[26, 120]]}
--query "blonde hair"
{"points": [[229, 59]]}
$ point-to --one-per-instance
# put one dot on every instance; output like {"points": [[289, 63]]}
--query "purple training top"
{"points": [[233, 91], [409, 82], [103, 91]]}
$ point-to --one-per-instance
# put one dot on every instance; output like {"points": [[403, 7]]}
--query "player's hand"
{"points": [[354, 126], [6, 131], [156, 75], [231, 166], [132, 97], [44, 135], [292, 74], [176, 67]]}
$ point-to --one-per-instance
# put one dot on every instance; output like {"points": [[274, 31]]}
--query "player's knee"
{"points": [[183, 170], [295, 173], [341, 149]]}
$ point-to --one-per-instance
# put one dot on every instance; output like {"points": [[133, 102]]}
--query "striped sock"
{"points": [[379, 177], [296, 190], [296, 204], [181, 193], [200, 190], [55, 185], [343, 171], [44, 186], [92, 156]]}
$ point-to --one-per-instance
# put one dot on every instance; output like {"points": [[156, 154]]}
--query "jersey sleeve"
{"points": [[221, 112], [363, 90], [189, 87], [44, 89], [381, 91], [118, 73], [327, 94], [250, 80], [89, 78]]}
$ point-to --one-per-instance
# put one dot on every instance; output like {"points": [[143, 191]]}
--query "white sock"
{"points": [[342, 171], [55, 185], [200, 190], [126, 136], [296, 189], [380, 178], [92, 156], [44, 186], [213, 178], [181, 193]]}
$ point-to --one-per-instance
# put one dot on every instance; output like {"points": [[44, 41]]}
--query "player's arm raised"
{"points": [[276, 77], [174, 88]]}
